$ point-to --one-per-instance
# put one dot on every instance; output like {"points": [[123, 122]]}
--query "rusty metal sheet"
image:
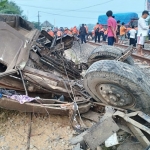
{"points": [[100, 132], [91, 115], [12, 42], [16, 21], [14, 49], [56, 109]]}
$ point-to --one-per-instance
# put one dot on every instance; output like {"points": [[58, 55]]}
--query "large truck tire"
{"points": [[118, 84], [106, 52]]}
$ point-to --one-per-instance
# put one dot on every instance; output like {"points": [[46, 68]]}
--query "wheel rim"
{"points": [[115, 95]]}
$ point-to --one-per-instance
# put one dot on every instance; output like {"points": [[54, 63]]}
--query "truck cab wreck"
{"points": [[36, 76], [32, 62]]}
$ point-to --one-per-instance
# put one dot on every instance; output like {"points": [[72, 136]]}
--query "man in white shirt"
{"points": [[142, 31], [132, 36]]}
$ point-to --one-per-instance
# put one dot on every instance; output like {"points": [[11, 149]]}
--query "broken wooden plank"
{"points": [[100, 132], [91, 115], [139, 135]]}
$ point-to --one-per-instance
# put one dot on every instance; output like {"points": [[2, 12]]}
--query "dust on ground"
{"points": [[48, 132]]}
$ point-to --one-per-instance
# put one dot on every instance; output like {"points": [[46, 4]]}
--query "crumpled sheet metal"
{"points": [[129, 120], [136, 127], [47, 107]]}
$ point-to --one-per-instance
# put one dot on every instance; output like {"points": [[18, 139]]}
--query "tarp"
{"points": [[123, 17]]}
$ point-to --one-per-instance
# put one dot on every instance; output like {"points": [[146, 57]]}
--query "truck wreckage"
{"points": [[113, 93]]}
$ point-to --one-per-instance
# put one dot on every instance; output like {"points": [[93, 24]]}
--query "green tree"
{"points": [[36, 25], [9, 7], [2, 3]]}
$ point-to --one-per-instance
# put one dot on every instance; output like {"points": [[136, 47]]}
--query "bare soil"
{"points": [[48, 132]]}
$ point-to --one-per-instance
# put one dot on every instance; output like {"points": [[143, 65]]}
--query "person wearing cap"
{"points": [[142, 32], [118, 31], [122, 33]]}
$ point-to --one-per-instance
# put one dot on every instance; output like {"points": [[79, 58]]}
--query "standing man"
{"points": [[86, 27], [142, 31], [102, 33], [59, 33], [112, 28], [75, 31], [97, 32], [122, 33], [82, 34], [133, 33], [105, 35], [118, 31], [51, 33]]}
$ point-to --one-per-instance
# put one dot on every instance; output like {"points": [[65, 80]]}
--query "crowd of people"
{"points": [[137, 35], [63, 31], [82, 32], [113, 32]]}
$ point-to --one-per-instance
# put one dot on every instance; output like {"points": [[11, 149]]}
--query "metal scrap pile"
{"points": [[33, 63], [113, 127]]}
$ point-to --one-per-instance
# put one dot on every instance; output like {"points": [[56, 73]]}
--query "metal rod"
{"points": [[23, 82]]}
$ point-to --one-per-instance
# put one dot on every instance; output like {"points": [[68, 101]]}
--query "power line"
{"points": [[84, 11], [89, 6], [92, 5], [65, 10], [60, 9], [66, 15]]}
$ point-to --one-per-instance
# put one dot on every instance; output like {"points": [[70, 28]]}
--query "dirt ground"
{"points": [[48, 132]]}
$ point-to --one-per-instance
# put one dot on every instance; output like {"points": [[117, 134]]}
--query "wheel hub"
{"points": [[115, 95]]}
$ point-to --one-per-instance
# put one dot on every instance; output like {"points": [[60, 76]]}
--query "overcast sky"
{"points": [[74, 12]]}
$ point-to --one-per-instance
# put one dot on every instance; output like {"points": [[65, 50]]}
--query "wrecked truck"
{"points": [[33, 64]]}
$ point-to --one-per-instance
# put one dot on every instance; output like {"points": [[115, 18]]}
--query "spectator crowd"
{"points": [[114, 32]]}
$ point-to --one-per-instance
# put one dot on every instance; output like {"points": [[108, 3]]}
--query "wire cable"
{"points": [[67, 15], [84, 11]]}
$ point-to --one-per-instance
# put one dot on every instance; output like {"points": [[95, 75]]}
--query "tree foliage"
{"points": [[36, 25], [2, 3], [9, 7]]}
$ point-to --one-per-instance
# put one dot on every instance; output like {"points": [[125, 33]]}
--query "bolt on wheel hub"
{"points": [[116, 95]]}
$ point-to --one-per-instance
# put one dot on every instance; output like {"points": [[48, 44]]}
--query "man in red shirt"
{"points": [[112, 28]]}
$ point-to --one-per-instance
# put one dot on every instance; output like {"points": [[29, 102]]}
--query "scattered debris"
{"points": [[115, 127], [35, 67], [100, 132]]}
